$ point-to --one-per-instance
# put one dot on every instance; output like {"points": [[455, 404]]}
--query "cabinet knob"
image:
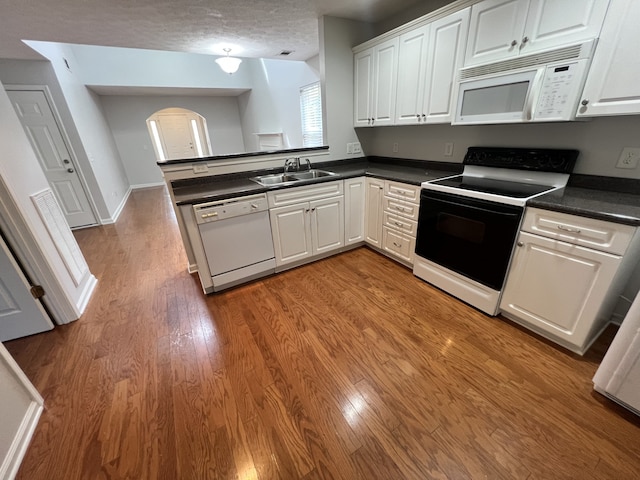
{"points": [[525, 40], [423, 116], [514, 43], [70, 170], [520, 244], [585, 102]]}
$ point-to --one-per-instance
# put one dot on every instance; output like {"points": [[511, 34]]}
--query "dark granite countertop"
{"points": [[239, 155], [602, 198], [414, 172]]}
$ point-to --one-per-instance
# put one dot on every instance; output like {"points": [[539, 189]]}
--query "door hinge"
{"points": [[37, 291]]}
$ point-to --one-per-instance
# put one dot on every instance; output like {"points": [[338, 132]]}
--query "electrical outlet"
{"points": [[349, 148], [629, 158], [357, 148], [395, 147], [200, 169], [448, 149]]}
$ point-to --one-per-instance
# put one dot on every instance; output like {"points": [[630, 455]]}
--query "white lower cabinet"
{"points": [[374, 189], [392, 218], [559, 288], [303, 227], [354, 195]]}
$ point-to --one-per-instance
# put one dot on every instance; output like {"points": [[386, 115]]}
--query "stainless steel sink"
{"points": [[277, 179], [311, 174]]}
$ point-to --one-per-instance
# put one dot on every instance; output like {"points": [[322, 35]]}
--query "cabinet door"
{"points": [[557, 288], [354, 210], [447, 40], [398, 244], [412, 64], [373, 211], [385, 74], [495, 30], [291, 233], [551, 23], [327, 224], [612, 86], [363, 88]]}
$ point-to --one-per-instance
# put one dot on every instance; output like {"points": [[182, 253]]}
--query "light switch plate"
{"points": [[357, 148]]}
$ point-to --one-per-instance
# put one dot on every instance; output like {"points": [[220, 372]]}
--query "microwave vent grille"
{"points": [[558, 55]]}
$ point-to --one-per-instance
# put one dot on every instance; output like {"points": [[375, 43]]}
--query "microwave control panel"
{"points": [[559, 91]]}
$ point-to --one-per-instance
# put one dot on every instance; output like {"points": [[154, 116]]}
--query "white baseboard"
{"points": [[147, 185], [9, 468], [87, 293], [116, 214]]}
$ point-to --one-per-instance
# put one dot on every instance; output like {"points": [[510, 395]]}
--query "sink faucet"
{"points": [[292, 164], [308, 164]]}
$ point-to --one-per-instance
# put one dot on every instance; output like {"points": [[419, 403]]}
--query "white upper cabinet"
{"points": [[412, 68], [429, 59], [612, 87], [447, 41], [375, 84], [501, 29], [495, 30]]}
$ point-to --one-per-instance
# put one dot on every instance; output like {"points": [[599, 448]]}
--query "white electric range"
{"points": [[468, 223]]}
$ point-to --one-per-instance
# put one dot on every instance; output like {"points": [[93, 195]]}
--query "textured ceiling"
{"points": [[252, 28]]}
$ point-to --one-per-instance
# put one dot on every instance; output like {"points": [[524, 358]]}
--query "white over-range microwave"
{"points": [[543, 87]]}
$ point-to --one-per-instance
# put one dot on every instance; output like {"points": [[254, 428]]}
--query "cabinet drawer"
{"points": [[404, 225], [398, 207], [400, 245], [408, 193], [288, 196], [597, 234]]}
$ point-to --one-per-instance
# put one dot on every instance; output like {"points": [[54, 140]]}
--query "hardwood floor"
{"points": [[348, 368]]}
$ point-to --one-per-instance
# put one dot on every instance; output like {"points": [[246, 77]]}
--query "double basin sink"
{"points": [[287, 178]]}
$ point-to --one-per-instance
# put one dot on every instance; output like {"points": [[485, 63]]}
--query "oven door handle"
{"points": [[474, 207]]}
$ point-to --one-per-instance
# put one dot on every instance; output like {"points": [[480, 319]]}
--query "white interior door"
{"points": [[45, 136], [177, 136], [20, 313]]}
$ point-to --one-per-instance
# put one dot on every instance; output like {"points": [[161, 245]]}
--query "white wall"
{"points": [[21, 172], [127, 116], [273, 104], [337, 36], [109, 66], [86, 109], [600, 141]]}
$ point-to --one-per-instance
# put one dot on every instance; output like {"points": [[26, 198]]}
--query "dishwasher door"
{"points": [[237, 242]]}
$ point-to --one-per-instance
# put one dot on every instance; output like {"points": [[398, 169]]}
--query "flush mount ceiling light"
{"points": [[228, 64]]}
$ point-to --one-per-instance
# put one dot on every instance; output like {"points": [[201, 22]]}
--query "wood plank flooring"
{"points": [[348, 368]]}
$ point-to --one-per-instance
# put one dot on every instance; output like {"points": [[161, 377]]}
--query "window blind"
{"points": [[311, 110]]}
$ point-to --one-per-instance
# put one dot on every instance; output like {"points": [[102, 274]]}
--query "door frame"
{"points": [[34, 261], [65, 138]]}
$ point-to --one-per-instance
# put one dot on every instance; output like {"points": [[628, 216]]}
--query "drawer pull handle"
{"points": [[398, 224], [209, 215], [397, 244], [400, 209], [568, 229]]}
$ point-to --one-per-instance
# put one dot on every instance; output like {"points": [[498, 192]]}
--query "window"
{"points": [[311, 109]]}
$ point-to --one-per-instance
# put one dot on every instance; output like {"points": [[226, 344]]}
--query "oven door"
{"points": [[471, 237]]}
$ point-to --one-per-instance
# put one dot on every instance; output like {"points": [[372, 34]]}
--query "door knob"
{"points": [[70, 170]]}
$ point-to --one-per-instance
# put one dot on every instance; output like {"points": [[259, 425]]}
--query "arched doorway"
{"points": [[179, 133]]}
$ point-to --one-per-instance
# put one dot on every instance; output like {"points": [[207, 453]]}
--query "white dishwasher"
{"points": [[236, 236]]}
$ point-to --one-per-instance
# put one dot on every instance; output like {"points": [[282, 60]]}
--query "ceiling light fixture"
{"points": [[228, 64]]}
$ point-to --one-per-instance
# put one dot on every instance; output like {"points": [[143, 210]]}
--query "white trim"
{"points": [[147, 185], [65, 138], [86, 294], [9, 468], [118, 211], [36, 264]]}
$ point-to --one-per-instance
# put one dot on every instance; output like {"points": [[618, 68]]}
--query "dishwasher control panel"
{"points": [[233, 207]]}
